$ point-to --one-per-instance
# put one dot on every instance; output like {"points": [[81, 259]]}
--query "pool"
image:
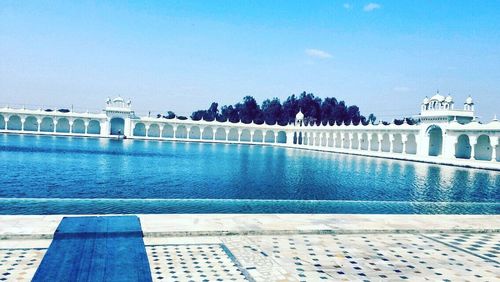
{"points": [[68, 175]]}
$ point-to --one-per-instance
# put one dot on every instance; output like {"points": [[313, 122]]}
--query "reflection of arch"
{"points": [[208, 133], [482, 149], [462, 148], [233, 134], [220, 133], [117, 126], [47, 125], [168, 131], [139, 129], [269, 138], [62, 125], [386, 143], [245, 135], [281, 137], [181, 132], [31, 124], [78, 126], [411, 144], [94, 127], [195, 133], [435, 140], [154, 130], [374, 142], [258, 136]]}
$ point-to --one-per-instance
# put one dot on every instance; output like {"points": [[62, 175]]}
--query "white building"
{"points": [[444, 135]]}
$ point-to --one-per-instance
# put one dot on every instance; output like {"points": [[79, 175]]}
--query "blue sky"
{"points": [[384, 56]]}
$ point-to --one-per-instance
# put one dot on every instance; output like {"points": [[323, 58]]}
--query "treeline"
{"points": [[272, 111]]}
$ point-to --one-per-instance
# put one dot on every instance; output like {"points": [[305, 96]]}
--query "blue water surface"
{"points": [[67, 175]]}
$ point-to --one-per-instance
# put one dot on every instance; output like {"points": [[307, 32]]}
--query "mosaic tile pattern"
{"points": [[19, 264], [357, 258], [486, 245], [200, 262]]}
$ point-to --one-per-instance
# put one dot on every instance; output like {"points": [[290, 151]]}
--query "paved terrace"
{"points": [[272, 247]]}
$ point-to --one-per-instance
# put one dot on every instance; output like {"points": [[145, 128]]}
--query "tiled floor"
{"points": [[19, 264], [354, 257]]}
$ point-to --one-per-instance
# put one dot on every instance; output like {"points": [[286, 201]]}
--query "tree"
{"points": [[272, 111], [372, 118]]}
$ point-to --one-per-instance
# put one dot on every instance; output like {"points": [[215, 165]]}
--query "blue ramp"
{"points": [[108, 248]]}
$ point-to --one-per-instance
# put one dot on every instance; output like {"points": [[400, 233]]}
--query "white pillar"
{"points": [[380, 138], [227, 134], [473, 141], [39, 122], [6, 120], [239, 135], [494, 144], [162, 127], [70, 126], [147, 130], [55, 124], [213, 133], [275, 137], [22, 123], [404, 139], [392, 139], [251, 135], [86, 124], [174, 128]]}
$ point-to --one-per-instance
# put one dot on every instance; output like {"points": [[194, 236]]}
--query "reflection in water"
{"points": [[59, 167]]}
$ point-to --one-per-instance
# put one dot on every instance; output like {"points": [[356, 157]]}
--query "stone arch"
{"points": [[258, 136], [117, 126], [94, 127], [386, 143], [245, 136], [47, 125], [482, 149], [435, 134], [139, 129], [154, 130], [269, 137], [397, 144], [78, 126], [168, 131], [62, 125], [462, 147], [374, 143], [2, 122], [281, 139], [220, 134], [207, 133], [31, 124], [232, 135], [195, 133], [411, 144], [181, 132], [364, 142]]}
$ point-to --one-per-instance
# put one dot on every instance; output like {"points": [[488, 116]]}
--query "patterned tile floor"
{"points": [[356, 257], [19, 264]]}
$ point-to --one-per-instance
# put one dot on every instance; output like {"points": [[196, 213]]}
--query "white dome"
{"points": [[437, 97], [426, 100], [299, 116], [449, 99], [469, 101]]}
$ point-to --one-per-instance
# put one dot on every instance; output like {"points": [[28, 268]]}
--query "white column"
{"points": [[162, 127], [275, 137], [314, 135], [55, 124], [70, 126], [380, 138], [251, 135], [174, 128], [239, 135], [22, 123], [227, 134], [473, 141], [494, 144], [404, 139], [147, 130], [86, 124], [392, 139], [213, 133], [6, 120]]}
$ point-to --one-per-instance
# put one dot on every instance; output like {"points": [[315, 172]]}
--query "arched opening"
{"points": [[168, 131], [330, 139], [62, 125], [338, 140], [208, 133], [462, 148], [411, 144], [94, 127], [220, 134], [79, 126], [482, 149], [386, 143], [154, 130], [233, 135], [355, 141], [2, 122], [397, 146], [435, 140], [139, 129], [117, 126], [195, 133], [281, 137], [181, 132], [374, 143], [300, 138], [258, 136], [323, 139], [364, 142], [269, 138], [346, 141], [31, 124], [245, 135], [47, 125], [14, 123]]}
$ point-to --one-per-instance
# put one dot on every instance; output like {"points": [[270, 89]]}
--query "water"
{"points": [[64, 175]]}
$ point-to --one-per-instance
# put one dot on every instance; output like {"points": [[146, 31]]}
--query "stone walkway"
{"points": [[382, 248]]}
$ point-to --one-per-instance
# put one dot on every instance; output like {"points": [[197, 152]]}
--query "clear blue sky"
{"points": [[383, 56]]}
